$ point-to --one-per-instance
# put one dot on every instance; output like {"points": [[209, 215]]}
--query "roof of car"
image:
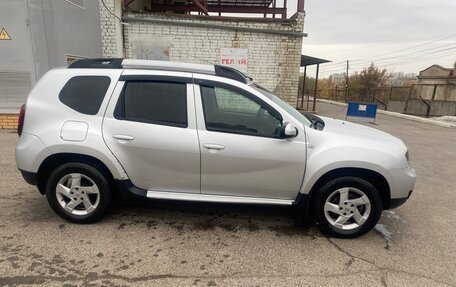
{"points": [[120, 63]]}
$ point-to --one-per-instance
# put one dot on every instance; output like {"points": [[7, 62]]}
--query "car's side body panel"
{"points": [[156, 157], [47, 116], [330, 151], [251, 166]]}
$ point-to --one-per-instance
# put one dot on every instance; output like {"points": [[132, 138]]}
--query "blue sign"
{"points": [[361, 110]]}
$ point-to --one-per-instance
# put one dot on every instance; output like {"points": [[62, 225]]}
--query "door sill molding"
{"points": [[216, 198]]}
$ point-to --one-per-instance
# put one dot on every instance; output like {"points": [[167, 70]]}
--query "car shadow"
{"points": [[201, 216]]}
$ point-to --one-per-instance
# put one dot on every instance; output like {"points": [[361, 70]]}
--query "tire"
{"points": [[348, 216], [78, 192]]}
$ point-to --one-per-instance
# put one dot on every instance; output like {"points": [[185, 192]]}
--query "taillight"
{"points": [[20, 121]]}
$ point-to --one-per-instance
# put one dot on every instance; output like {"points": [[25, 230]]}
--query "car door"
{"points": [[241, 152], [150, 128]]}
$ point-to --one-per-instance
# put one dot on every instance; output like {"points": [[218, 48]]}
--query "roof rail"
{"points": [[231, 73], [100, 63], [168, 66], [119, 63]]}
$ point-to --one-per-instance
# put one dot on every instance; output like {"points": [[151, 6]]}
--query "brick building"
{"points": [[267, 48], [271, 47]]}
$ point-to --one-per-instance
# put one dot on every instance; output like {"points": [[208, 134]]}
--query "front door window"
{"points": [[227, 110]]}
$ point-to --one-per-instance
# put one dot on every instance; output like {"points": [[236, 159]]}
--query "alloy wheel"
{"points": [[347, 208], [77, 194]]}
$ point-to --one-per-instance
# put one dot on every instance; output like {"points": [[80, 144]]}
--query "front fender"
{"points": [[325, 160]]}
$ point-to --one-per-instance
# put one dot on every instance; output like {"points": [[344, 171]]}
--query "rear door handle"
{"points": [[123, 137], [214, 146]]}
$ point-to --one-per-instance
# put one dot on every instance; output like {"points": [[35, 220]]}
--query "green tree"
{"points": [[363, 85], [372, 78], [354, 83]]}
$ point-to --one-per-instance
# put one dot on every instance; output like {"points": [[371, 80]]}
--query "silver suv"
{"points": [[164, 130]]}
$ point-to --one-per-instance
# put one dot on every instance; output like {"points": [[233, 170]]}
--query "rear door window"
{"points": [[163, 103], [85, 94]]}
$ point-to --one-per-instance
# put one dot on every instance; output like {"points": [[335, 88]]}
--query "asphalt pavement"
{"points": [[160, 243]]}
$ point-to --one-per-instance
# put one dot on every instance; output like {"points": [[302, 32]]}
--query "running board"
{"points": [[216, 198]]}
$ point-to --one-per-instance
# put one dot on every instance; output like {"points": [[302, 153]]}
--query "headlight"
{"points": [[407, 155]]}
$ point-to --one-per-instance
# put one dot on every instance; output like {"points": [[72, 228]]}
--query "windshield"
{"points": [[284, 105]]}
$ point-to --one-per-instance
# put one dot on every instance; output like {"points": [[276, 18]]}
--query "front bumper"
{"points": [[402, 182], [396, 202]]}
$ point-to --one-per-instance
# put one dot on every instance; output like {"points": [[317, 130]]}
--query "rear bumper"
{"points": [[30, 152], [29, 177]]}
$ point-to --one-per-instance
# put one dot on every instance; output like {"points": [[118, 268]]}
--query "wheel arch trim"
{"points": [[374, 177], [57, 159]]}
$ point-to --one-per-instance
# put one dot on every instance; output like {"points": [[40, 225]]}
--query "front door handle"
{"points": [[214, 147], [123, 137]]}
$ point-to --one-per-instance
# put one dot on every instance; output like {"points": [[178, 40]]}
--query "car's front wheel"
{"points": [[78, 192], [347, 207]]}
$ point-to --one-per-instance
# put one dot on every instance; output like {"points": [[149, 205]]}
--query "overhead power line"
{"points": [[410, 54], [419, 55], [391, 43], [412, 47]]}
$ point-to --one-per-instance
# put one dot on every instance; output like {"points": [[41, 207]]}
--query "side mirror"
{"points": [[288, 131]]}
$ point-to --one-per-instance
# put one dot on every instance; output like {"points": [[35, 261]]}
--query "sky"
{"points": [[399, 35]]}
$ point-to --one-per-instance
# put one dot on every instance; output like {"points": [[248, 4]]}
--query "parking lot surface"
{"points": [[196, 244]]}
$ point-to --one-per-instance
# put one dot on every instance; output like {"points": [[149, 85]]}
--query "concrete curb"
{"points": [[399, 115]]}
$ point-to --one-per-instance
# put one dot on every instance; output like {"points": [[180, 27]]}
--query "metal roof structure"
{"points": [[310, 61], [258, 3], [205, 7]]}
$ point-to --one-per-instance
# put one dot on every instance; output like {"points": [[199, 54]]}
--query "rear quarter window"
{"points": [[85, 94]]}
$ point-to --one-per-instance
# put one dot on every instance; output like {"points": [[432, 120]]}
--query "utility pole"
{"points": [[346, 82]]}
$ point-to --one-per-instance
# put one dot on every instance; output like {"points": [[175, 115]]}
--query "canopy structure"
{"points": [[264, 7], [310, 61]]}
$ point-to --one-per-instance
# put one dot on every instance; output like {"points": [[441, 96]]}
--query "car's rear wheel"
{"points": [[78, 192], [347, 207]]}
